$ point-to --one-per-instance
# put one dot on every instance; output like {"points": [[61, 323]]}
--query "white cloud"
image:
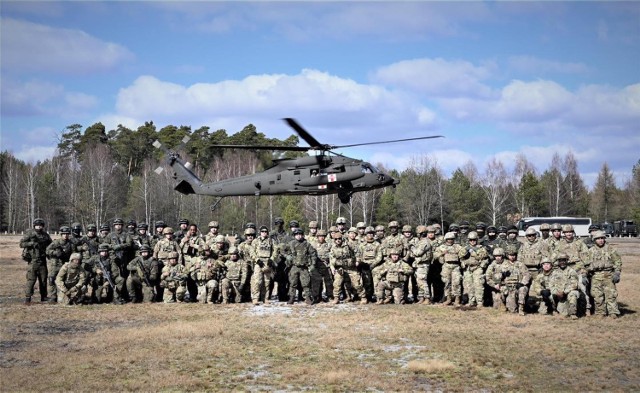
{"points": [[28, 47], [34, 154], [532, 101]]}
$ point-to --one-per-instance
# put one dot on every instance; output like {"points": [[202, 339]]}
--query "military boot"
{"points": [[426, 301], [448, 301], [456, 302], [364, 300], [309, 301], [255, 302], [27, 301], [386, 300], [291, 300], [379, 301], [521, 310], [335, 300]]}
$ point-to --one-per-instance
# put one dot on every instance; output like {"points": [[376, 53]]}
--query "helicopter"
{"points": [[324, 173]]}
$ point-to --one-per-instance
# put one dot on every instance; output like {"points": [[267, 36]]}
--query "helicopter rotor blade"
{"points": [[393, 141], [313, 142], [263, 147]]}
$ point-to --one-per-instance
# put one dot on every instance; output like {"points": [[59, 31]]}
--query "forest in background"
{"points": [[97, 175]]}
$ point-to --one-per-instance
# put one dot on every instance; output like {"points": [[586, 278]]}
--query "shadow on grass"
{"points": [[625, 310]]}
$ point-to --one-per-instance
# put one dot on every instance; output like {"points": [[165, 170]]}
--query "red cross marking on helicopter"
{"points": [[332, 177]]}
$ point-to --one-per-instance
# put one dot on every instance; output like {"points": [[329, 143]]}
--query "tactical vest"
{"points": [[264, 248], [73, 275], [530, 254], [343, 257], [450, 253], [234, 270], [395, 273], [323, 251], [300, 253], [515, 275], [601, 258], [165, 247], [369, 251]]}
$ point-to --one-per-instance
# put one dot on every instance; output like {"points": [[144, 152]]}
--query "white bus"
{"points": [[580, 224]]}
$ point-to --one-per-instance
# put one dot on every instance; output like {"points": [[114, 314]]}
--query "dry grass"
{"points": [[328, 348]]}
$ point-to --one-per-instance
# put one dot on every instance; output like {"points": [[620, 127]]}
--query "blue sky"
{"points": [[495, 78]]}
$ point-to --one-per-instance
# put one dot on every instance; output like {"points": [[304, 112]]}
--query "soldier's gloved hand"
{"points": [[616, 277], [546, 293]]}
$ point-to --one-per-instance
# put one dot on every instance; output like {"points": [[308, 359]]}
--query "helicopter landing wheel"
{"points": [[345, 197]]}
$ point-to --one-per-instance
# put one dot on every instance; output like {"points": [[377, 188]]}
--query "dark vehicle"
{"points": [[624, 228], [607, 228]]}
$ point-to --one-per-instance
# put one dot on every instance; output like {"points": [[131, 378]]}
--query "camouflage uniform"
{"points": [[423, 255], [121, 245], [34, 244], [301, 260], [493, 276], [89, 244], [541, 286], [564, 285], [409, 242], [265, 252], [141, 238], [58, 252], [343, 262], [474, 264], [371, 259], [451, 274], [321, 275], [576, 250], [173, 280], [70, 281], [143, 277], [515, 279], [394, 277], [103, 267], [531, 254], [236, 278], [190, 245], [605, 266]]}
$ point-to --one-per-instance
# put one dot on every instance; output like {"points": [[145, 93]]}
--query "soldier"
{"points": [[494, 275], [279, 233], [141, 238], [370, 258], [166, 246], [492, 241], [76, 235], [265, 252], [313, 233], [577, 253], [515, 282], [481, 229], [474, 264], [89, 243], [605, 266], [157, 235], [423, 255], [455, 229], [183, 226], [210, 237], [104, 276], [434, 278], [208, 273], [322, 273], [564, 285], [343, 262], [132, 225], [246, 251], [301, 260], [394, 276], [393, 241], [545, 231], [341, 224], [512, 238], [451, 254], [104, 232], [121, 245], [237, 277], [379, 233], [589, 242], [502, 232], [464, 232], [143, 276], [554, 240], [531, 254], [70, 281], [58, 252], [541, 286], [409, 242], [361, 227], [190, 246], [34, 244], [173, 279]]}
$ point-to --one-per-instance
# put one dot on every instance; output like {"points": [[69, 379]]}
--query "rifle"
{"points": [[107, 275], [145, 277]]}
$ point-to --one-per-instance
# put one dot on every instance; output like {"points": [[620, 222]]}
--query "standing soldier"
{"points": [[282, 267], [301, 259], [370, 261], [343, 262], [589, 242], [237, 275], [246, 253], [451, 253], [173, 279], [434, 277], [143, 276], [545, 231], [464, 232], [494, 275], [512, 238], [515, 282], [76, 235], [104, 277], [341, 224], [423, 255], [265, 252], [104, 232], [190, 245], [393, 241], [157, 235], [564, 285], [58, 252], [164, 247], [394, 276], [90, 242], [141, 238], [474, 264], [210, 237], [380, 234], [121, 245], [132, 225], [183, 226], [605, 266], [322, 273], [577, 251], [361, 227], [481, 229], [542, 287], [531, 254], [313, 233], [34, 244], [70, 281], [554, 240], [502, 232], [278, 234]]}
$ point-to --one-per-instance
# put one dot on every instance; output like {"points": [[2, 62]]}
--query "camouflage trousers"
{"points": [[513, 297], [321, 277], [352, 282], [584, 300], [101, 290], [452, 279], [231, 289], [387, 289], [497, 298], [53, 267], [367, 279], [138, 290], [568, 304], [421, 273], [71, 295], [299, 279], [261, 282], [376, 276], [473, 283], [174, 293], [212, 291], [604, 294], [36, 272]]}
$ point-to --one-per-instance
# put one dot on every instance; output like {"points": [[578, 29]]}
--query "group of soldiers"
{"points": [[550, 272]]}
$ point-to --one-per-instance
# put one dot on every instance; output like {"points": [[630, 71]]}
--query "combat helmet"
{"points": [[450, 236], [473, 235], [38, 221], [167, 230], [498, 251]]}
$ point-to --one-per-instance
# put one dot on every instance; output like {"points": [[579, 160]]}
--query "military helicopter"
{"points": [[325, 173]]}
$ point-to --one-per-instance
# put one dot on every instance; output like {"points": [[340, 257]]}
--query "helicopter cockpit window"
{"points": [[314, 172], [368, 168]]}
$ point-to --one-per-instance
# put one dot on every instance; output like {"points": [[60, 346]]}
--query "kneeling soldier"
{"points": [[143, 276], [173, 280], [70, 281], [394, 275]]}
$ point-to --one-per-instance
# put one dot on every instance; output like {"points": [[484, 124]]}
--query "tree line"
{"points": [[97, 175]]}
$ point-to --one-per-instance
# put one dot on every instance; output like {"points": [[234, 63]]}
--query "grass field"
{"points": [[187, 347]]}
